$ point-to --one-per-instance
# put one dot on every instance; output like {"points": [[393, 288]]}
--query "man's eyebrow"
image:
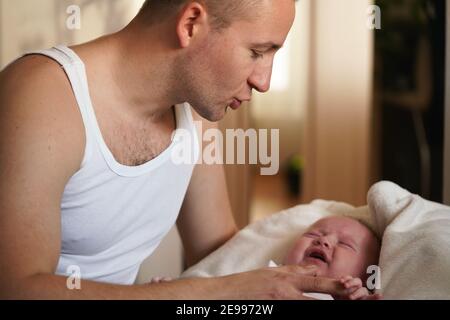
{"points": [[267, 45]]}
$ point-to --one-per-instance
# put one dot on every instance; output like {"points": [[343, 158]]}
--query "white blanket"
{"points": [[415, 253]]}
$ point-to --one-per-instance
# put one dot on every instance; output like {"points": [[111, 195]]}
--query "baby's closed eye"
{"points": [[311, 234], [345, 244], [348, 244]]}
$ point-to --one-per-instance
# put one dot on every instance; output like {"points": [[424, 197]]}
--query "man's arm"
{"points": [[206, 220], [39, 150]]}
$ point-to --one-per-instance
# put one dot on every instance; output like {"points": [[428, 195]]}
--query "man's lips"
{"points": [[235, 104]]}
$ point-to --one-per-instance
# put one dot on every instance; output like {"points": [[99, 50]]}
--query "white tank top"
{"points": [[114, 216]]}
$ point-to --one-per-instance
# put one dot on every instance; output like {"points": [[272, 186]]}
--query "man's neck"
{"points": [[134, 65]]}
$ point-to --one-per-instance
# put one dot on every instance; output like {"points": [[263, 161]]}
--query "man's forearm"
{"points": [[52, 287], [194, 256]]}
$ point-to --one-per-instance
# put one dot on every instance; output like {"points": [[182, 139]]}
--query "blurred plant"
{"points": [[404, 23], [295, 167], [417, 12], [411, 15]]}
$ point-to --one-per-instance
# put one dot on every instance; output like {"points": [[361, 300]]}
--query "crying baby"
{"points": [[340, 248]]}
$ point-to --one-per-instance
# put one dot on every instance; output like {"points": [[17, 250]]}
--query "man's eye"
{"points": [[256, 54]]}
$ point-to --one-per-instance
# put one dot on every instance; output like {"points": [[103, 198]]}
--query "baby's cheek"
{"points": [[345, 265], [291, 258], [297, 251], [294, 256], [359, 265]]}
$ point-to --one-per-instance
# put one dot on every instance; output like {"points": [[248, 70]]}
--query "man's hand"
{"points": [[356, 291], [281, 283]]}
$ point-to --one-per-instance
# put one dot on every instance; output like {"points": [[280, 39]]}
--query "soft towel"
{"points": [[415, 254]]}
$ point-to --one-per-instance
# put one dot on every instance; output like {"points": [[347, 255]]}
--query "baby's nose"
{"points": [[324, 242]]}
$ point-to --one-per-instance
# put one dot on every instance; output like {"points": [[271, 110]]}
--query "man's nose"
{"points": [[260, 78]]}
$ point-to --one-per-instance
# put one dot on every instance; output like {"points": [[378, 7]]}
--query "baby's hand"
{"points": [[160, 280], [356, 291]]}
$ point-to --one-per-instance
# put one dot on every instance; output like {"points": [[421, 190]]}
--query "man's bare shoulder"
{"points": [[30, 68], [36, 97]]}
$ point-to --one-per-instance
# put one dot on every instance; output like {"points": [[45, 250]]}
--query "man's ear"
{"points": [[191, 20]]}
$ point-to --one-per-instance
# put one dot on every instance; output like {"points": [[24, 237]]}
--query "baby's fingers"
{"points": [[160, 280], [156, 280], [361, 293], [376, 296], [352, 283], [345, 279]]}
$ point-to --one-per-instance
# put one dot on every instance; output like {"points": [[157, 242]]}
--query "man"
{"points": [[71, 186]]}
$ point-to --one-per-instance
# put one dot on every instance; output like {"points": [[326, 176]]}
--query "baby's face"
{"points": [[338, 246]]}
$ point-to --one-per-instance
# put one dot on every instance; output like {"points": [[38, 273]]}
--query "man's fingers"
{"points": [[310, 270], [322, 285], [303, 297]]}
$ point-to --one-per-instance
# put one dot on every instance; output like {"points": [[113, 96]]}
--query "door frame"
{"points": [[446, 181], [1, 34]]}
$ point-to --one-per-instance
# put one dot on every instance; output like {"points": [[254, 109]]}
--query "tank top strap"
{"points": [[75, 72]]}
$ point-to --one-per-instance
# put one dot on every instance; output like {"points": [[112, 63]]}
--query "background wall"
{"points": [[28, 25], [238, 176], [283, 107], [339, 113]]}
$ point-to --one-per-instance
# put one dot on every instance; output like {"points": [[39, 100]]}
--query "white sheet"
{"points": [[415, 253]]}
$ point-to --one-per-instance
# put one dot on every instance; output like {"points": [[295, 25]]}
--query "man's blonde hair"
{"points": [[222, 12]]}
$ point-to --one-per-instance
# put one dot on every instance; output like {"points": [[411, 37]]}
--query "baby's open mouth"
{"points": [[317, 255]]}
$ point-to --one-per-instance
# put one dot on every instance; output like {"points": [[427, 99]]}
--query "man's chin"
{"points": [[212, 116], [216, 117], [219, 114]]}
